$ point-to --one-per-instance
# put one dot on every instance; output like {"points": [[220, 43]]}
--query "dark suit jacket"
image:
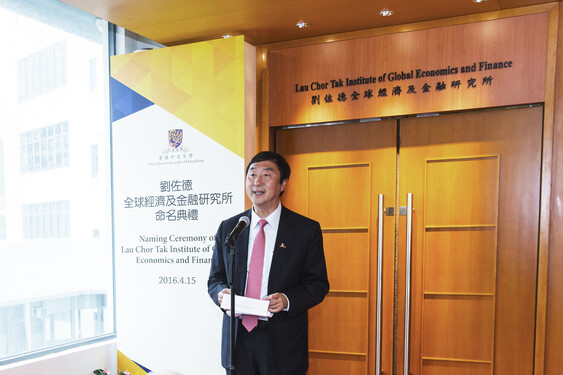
{"points": [[298, 270]]}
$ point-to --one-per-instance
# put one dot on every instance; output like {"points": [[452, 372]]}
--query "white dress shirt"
{"points": [[271, 231]]}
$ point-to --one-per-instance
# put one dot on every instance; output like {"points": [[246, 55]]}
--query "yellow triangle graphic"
{"points": [[200, 83]]}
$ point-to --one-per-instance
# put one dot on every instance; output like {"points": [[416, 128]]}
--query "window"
{"points": [[52, 321], [2, 195], [93, 75], [45, 148], [46, 220], [94, 156], [2, 226], [56, 256], [43, 71]]}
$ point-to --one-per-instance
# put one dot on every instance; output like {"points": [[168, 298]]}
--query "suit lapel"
{"points": [[282, 243], [242, 258]]}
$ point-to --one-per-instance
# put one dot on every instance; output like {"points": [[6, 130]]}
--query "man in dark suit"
{"points": [[294, 277]]}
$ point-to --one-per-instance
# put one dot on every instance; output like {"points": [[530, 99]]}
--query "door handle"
{"points": [[408, 283], [381, 215]]}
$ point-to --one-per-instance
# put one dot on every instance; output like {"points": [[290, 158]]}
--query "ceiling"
{"points": [[173, 22]]}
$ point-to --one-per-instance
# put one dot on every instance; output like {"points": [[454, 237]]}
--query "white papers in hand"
{"points": [[247, 306]]}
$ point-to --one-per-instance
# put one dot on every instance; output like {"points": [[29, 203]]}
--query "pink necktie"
{"points": [[254, 282]]}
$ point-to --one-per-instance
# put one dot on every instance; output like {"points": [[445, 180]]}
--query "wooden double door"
{"points": [[430, 228]]}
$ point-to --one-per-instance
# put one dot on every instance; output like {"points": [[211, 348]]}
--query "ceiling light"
{"points": [[386, 12], [227, 36], [479, 1], [302, 24]]}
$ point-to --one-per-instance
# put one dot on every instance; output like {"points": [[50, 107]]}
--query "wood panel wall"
{"points": [[476, 65], [549, 326]]}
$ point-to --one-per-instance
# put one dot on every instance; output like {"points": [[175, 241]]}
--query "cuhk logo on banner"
{"points": [[175, 137], [176, 152]]}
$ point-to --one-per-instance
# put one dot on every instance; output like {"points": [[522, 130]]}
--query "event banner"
{"points": [[178, 119]]}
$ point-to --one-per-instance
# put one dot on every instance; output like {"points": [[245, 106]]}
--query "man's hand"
{"points": [[221, 294], [278, 302]]}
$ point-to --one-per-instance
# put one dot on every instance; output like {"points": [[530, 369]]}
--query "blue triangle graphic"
{"points": [[124, 101]]}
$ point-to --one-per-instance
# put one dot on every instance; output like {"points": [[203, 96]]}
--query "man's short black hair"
{"points": [[274, 157]]}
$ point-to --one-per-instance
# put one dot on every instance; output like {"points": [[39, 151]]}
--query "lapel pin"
{"points": [[282, 245]]}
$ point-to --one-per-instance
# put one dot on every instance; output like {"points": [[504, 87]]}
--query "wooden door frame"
{"points": [[545, 202]]}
